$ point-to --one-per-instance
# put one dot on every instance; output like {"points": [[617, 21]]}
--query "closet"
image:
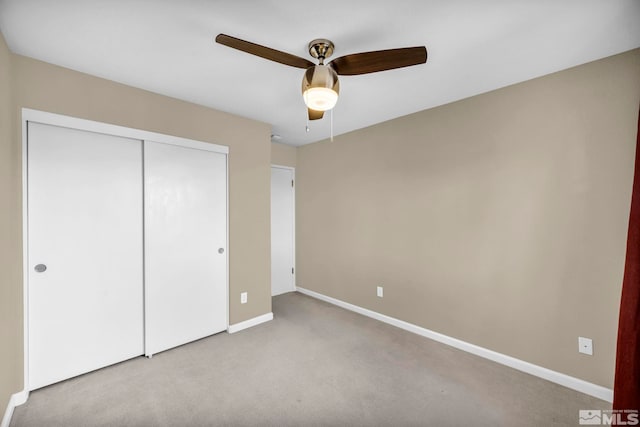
{"points": [[126, 243]]}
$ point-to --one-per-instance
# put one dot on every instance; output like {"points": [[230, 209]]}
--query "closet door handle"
{"points": [[221, 250], [40, 268]]}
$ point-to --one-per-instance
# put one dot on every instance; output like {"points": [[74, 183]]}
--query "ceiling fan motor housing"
{"points": [[320, 87], [321, 49]]}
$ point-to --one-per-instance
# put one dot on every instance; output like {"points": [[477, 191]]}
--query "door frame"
{"points": [[293, 243], [37, 116]]}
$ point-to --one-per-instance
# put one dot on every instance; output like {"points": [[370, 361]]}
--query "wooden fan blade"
{"points": [[315, 115], [264, 52], [379, 60]]}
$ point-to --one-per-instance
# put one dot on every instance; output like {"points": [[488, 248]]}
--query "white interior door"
{"points": [[85, 310], [185, 245], [282, 230]]}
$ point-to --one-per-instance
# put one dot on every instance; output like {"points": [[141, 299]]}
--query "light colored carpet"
{"points": [[313, 365]]}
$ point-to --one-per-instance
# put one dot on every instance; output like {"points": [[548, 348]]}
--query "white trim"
{"points": [[25, 257], [16, 399], [228, 289], [44, 117], [285, 292], [237, 327], [538, 371], [293, 243]]}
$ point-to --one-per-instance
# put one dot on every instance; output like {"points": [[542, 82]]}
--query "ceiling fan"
{"points": [[320, 86]]}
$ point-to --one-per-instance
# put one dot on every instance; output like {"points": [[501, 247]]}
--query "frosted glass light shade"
{"points": [[320, 88], [320, 98]]}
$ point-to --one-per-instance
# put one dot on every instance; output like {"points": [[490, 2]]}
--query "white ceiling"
{"points": [[167, 47]]}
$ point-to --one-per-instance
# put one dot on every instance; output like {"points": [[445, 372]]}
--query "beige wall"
{"points": [[283, 155], [46, 87], [500, 219], [10, 240]]}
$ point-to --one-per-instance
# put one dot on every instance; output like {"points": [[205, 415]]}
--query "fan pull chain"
{"points": [[332, 125], [306, 128]]}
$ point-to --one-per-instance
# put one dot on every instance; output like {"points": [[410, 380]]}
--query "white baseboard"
{"points": [[16, 399], [556, 377], [236, 327]]}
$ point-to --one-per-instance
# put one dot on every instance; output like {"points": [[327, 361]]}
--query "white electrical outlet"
{"points": [[585, 345], [243, 298], [380, 292]]}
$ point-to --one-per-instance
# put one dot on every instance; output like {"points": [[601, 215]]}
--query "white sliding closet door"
{"points": [[185, 245], [84, 252]]}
